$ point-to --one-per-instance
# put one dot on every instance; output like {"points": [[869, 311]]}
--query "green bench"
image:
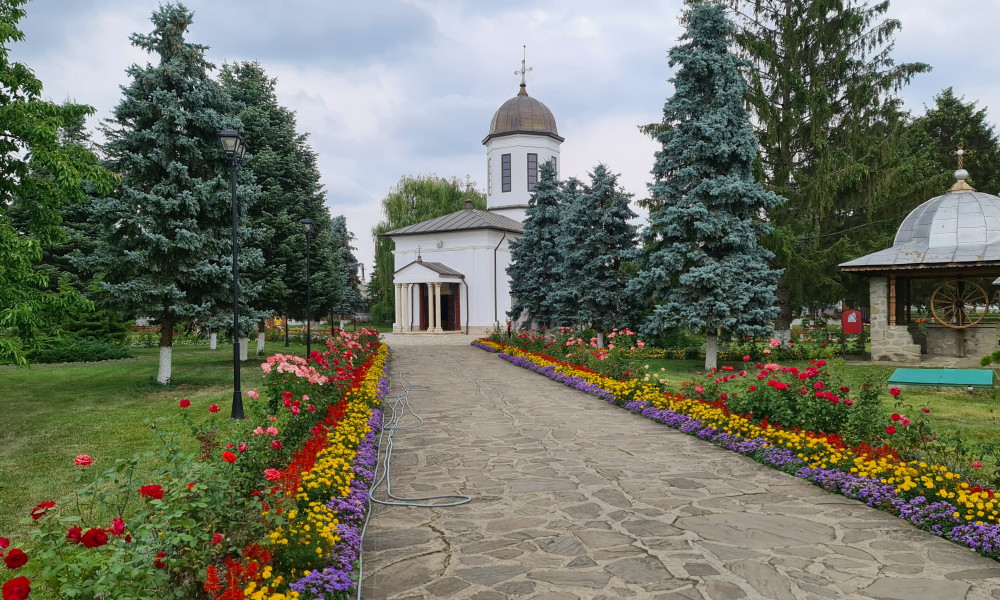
{"points": [[975, 378]]}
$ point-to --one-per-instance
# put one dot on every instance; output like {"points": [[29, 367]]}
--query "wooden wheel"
{"points": [[959, 304]]}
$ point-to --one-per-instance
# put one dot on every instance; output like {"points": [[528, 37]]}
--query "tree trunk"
{"points": [[783, 321], [244, 348], [261, 326], [711, 350], [213, 340], [284, 318], [166, 349], [600, 339]]}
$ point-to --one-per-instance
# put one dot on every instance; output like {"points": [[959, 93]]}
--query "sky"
{"points": [[387, 88]]}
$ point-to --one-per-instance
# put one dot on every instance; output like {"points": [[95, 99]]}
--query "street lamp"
{"points": [[307, 226], [234, 148]]}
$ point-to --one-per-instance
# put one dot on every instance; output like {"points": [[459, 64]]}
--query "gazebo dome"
{"points": [[523, 114], [956, 218]]}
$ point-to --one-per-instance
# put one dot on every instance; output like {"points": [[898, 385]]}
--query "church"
{"points": [[450, 273]]}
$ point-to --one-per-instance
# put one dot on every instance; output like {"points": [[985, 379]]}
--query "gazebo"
{"points": [[946, 256]]}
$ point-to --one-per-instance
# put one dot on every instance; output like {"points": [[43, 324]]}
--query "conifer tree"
{"points": [[412, 200], [166, 251], [704, 266], [536, 263], [351, 301], [39, 177], [832, 133], [597, 240]]}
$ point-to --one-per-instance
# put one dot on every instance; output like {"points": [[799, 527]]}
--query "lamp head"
{"points": [[307, 225], [232, 144]]}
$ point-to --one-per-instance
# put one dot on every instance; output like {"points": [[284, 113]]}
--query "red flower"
{"points": [[152, 491], [844, 389], [747, 358], [4, 542], [905, 422], [214, 408], [216, 539], [848, 402], [976, 464], [276, 445], [184, 403], [894, 391], [229, 457], [890, 429], [243, 447], [15, 558], [159, 564], [896, 416], [41, 509], [94, 538], [117, 527], [925, 410], [84, 460], [818, 385], [753, 388], [17, 589], [74, 534]]}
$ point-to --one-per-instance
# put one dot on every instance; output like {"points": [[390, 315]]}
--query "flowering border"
{"points": [[882, 482]]}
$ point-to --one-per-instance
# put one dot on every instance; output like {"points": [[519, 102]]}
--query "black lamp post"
{"points": [[307, 226], [234, 147]]}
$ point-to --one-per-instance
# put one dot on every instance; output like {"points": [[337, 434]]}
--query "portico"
{"points": [[428, 298]]}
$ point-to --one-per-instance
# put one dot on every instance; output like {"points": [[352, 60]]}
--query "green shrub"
{"points": [[73, 348]]}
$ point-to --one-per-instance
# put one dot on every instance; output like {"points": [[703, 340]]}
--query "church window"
{"points": [[532, 171], [555, 166], [505, 172], [489, 175]]}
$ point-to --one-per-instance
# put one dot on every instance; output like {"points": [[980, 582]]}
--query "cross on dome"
{"points": [[524, 71], [960, 153]]}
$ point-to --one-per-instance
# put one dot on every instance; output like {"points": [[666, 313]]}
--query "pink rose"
{"points": [[83, 460]]}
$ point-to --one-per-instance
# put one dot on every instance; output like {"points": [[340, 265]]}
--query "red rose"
{"points": [[896, 416], [17, 589], [117, 527], [152, 491], [84, 460], [214, 408], [848, 402], [159, 564], [4, 542], [184, 403], [41, 509], [15, 558], [243, 447], [891, 429], [94, 538], [894, 391], [753, 388], [216, 539], [229, 457], [74, 534], [276, 445], [925, 410]]}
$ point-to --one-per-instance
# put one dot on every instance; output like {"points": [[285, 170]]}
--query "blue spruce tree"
{"points": [[536, 263], [704, 267], [166, 251], [597, 241]]}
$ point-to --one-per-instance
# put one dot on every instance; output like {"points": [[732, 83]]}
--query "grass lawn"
{"points": [[953, 410], [52, 413]]}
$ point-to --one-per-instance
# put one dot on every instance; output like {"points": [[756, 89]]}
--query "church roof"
{"points": [[959, 228], [462, 220], [440, 268], [523, 114]]}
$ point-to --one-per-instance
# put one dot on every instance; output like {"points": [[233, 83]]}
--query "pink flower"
{"points": [[252, 394], [905, 422], [243, 447], [640, 343], [976, 464], [258, 431], [272, 430], [295, 410], [272, 474], [767, 351], [700, 389], [117, 527], [276, 445], [83, 460], [184, 403]]}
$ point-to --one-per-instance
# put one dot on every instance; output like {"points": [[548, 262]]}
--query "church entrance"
{"points": [[451, 311]]}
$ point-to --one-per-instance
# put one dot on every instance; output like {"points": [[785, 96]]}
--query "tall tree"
{"points": [[822, 85], [412, 200], [167, 245], [351, 301], [597, 241], [285, 168], [39, 176], [536, 261], [704, 266], [953, 122]]}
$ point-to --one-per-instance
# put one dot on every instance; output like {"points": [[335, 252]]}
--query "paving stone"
{"points": [[898, 588], [491, 575], [762, 577], [516, 589], [639, 570], [688, 594], [758, 531], [974, 574], [700, 569], [563, 546], [571, 578], [446, 587], [725, 589]]}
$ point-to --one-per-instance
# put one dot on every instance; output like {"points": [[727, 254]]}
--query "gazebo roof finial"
{"points": [[961, 174]]}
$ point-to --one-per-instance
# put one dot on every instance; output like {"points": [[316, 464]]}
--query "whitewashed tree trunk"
{"points": [[163, 376], [260, 342], [784, 336], [600, 339], [213, 340], [244, 348], [711, 350]]}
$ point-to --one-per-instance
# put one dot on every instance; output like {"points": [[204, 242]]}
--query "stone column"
{"points": [[430, 307], [879, 314], [405, 328], [397, 325], [437, 308]]}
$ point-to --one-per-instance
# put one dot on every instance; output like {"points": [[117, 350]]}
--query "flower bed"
{"points": [[270, 507], [930, 496]]}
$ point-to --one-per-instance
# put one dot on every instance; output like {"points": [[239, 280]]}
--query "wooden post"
{"points": [[892, 300]]}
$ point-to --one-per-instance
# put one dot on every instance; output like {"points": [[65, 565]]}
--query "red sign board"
{"points": [[851, 321]]}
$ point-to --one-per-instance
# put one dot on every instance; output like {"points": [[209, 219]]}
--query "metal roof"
{"points": [[523, 114], [463, 220], [439, 268], [958, 228]]}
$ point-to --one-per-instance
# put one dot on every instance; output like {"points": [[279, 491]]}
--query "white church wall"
{"points": [[518, 146]]}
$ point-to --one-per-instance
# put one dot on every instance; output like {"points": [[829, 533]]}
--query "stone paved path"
{"points": [[575, 498]]}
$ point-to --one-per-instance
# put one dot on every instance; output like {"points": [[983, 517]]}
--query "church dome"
{"points": [[960, 217], [523, 114]]}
